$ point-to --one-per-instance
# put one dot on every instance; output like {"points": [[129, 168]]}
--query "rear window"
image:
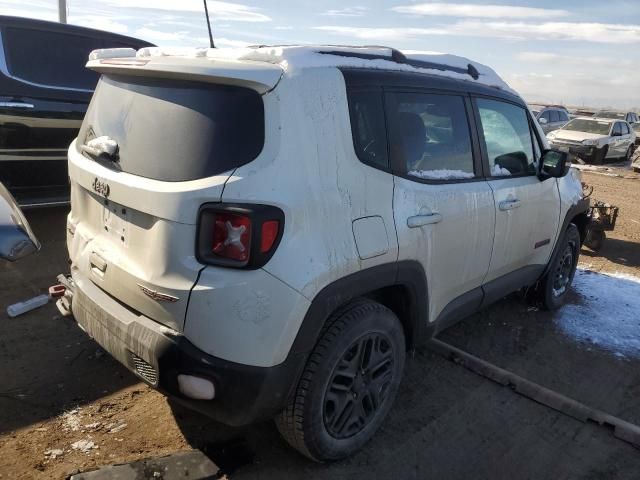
{"points": [[368, 128], [588, 126], [175, 130]]}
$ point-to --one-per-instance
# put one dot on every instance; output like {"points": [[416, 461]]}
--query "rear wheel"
{"points": [[348, 385], [555, 284], [629, 153]]}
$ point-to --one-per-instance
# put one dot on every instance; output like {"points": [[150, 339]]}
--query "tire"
{"points": [[599, 157], [629, 154], [555, 284], [336, 409], [595, 239]]}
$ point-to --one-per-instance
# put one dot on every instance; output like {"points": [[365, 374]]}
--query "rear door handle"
{"points": [[15, 105], [509, 204], [422, 220]]}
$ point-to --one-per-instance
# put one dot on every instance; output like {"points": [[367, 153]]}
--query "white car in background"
{"points": [[595, 140]]}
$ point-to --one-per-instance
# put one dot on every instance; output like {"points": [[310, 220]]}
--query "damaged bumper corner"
{"points": [[159, 356]]}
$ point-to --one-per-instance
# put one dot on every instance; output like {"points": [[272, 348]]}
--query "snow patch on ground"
{"points": [[71, 420], [441, 174], [85, 446], [609, 317]]}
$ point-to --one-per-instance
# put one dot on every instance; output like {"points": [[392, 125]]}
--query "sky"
{"points": [[576, 52]]}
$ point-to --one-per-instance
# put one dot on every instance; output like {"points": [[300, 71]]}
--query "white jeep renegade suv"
{"points": [[265, 232]]}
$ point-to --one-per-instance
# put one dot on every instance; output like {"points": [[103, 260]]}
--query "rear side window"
{"points": [[554, 115], [625, 129], [174, 130], [563, 116], [617, 128], [429, 136], [507, 138], [50, 58], [368, 127]]}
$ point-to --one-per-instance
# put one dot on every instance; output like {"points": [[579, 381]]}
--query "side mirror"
{"points": [[554, 163], [543, 121], [16, 238]]}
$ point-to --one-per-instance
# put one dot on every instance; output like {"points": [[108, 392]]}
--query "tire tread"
{"points": [[290, 421]]}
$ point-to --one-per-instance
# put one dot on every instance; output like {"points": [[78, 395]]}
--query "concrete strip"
{"points": [[192, 465], [621, 429]]}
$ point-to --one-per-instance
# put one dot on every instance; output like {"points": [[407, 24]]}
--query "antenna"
{"points": [[206, 13], [62, 11]]}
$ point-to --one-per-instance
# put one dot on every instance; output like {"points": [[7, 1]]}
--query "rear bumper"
{"points": [[157, 355]]}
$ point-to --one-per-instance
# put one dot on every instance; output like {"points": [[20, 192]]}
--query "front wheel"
{"points": [[600, 155], [348, 385], [595, 239], [555, 284]]}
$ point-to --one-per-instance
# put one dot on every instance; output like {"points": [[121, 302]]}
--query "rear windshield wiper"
{"points": [[103, 147]]}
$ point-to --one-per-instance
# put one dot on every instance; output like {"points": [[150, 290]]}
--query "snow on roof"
{"points": [[297, 57]]}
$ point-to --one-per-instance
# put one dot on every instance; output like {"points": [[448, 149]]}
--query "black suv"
{"points": [[44, 93]]}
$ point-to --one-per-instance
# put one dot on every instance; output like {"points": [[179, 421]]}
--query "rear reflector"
{"points": [[196, 387], [270, 230]]}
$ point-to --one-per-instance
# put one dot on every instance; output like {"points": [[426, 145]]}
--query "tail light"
{"points": [[241, 236]]}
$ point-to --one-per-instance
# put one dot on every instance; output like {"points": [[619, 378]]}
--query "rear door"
{"points": [[527, 209], [443, 207], [564, 118], [627, 137], [619, 143], [554, 115], [133, 221]]}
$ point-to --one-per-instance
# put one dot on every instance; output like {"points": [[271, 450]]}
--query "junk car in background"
{"points": [[44, 92]]}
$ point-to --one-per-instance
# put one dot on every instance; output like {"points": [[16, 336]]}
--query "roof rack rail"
{"points": [[398, 57]]}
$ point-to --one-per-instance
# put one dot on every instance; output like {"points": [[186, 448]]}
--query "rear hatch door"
{"points": [[167, 145]]}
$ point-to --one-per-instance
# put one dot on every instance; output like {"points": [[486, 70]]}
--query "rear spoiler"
{"points": [[259, 76]]}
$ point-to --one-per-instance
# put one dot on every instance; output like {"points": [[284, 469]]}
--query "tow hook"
{"points": [[64, 294]]}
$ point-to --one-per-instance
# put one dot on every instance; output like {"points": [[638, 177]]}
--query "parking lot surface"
{"points": [[58, 388]]}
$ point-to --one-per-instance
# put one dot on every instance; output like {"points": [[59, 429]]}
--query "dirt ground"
{"points": [[57, 388]]}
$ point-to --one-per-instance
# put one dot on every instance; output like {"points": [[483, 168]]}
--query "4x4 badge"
{"points": [[159, 297]]}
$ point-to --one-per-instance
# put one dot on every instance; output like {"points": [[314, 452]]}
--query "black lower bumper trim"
{"points": [[244, 394]]}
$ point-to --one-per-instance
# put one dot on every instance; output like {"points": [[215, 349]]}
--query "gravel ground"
{"points": [[59, 390]]}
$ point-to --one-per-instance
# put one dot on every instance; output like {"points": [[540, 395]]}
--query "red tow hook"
{"points": [[57, 291]]}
